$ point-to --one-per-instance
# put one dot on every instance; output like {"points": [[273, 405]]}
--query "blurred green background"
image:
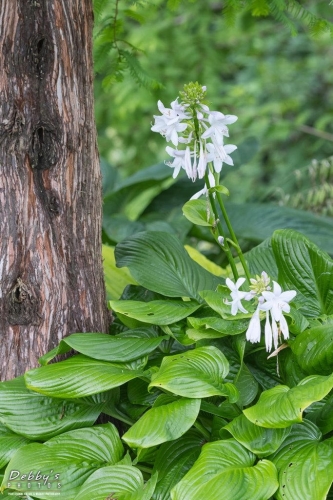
{"points": [[279, 85]]}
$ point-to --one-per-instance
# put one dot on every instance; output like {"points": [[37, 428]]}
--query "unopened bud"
{"points": [[220, 239]]}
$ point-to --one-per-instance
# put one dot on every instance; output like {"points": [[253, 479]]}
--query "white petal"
{"points": [[230, 284], [239, 282], [230, 148], [284, 327], [228, 119], [275, 333], [199, 193], [288, 296], [268, 334], [276, 288]]}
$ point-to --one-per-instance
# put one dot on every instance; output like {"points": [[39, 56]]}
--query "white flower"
{"points": [[205, 189], [219, 154], [253, 332], [169, 124], [277, 302], [218, 122], [178, 162], [202, 162], [176, 113], [168, 128], [236, 295]]}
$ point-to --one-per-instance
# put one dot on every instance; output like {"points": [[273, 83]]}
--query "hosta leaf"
{"points": [[170, 271], [247, 483], [197, 373], [261, 258], [78, 376], [224, 469], [261, 441], [121, 482], [258, 221], [323, 417], [214, 458], [246, 385], [173, 460], [314, 349], [204, 262], [281, 407], [115, 279], [305, 268], [35, 416], [9, 444], [156, 312], [219, 325], [73, 456], [164, 423], [107, 347], [304, 465]]}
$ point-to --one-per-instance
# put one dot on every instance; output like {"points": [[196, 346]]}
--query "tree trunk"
{"points": [[51, 278]]}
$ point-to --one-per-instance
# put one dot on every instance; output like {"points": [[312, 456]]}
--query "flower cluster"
{"points": [[199, 131], [274, 303]]}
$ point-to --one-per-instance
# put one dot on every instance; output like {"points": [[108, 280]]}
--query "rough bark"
{"points": [[51, 279]]}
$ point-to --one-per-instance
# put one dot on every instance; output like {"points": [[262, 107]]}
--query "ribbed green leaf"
{"points": [[246, 385], [197, 373], [223, 326], [107, 347], [34, 416], [121, 482], [261, 441], [256, 222], [281, 407], [115, 279], [199, 212], [304, 465], [247, 483], [160, 263], [164, 423], [173, 460], [314, 349], [78, 376], [323, 417], [305, 268], [156, 312], [261, 258], [215, 458], [73, 456], [9, 444]]}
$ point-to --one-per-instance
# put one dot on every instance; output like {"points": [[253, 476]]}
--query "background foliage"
{"points": [[279, 85]]}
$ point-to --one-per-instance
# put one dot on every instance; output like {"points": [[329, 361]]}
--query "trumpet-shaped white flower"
{"points": [[168, 128], [254, 331], [277, 302], [176, 113], [219, 154], [178, 162], [218, 122], [236, 295]]}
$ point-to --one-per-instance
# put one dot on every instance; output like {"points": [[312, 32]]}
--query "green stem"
{"points": [[225, 245], [233, 235], [144, 468], [203, 431]]}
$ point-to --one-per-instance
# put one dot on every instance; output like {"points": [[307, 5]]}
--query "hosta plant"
{"points": [[214, 387]]}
